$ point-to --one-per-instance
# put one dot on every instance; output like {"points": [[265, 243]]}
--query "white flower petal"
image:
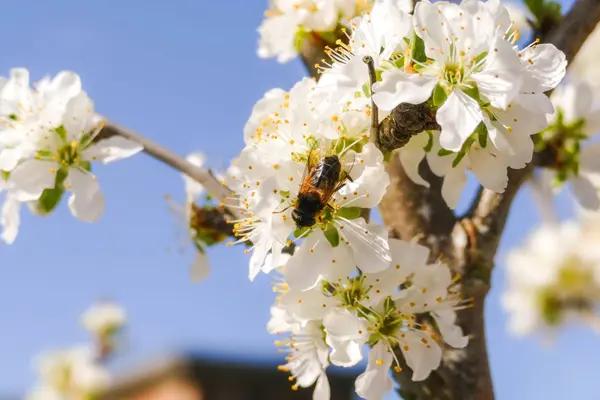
{"points": [[458, 117], [79, 117], [10, 219], [111, 149], [322, 390], [346, 334], [421, 352], [375, 382], [452, 333], [86, 201], [453, 185], [29, 179], [369, 244], [411, 156], [546, 63], [489, 169], [586, 192], [200, 268], [398, 87]]}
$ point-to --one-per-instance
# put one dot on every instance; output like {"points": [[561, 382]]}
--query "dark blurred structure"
{"points": [[196, 378]]}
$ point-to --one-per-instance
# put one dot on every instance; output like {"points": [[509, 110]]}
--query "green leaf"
{"points": [[429, 144], [43, 154], [463, 151], [444, 152], [301, 231], [350, 212], [332, 235], [482, 134], [439, 96], [472, 92], [418, 50], [366, 89], [86, 165], [51, 197], [61, 132], [545, 12]]}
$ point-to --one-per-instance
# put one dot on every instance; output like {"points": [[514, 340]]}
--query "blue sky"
{"points": [[185, 74]]}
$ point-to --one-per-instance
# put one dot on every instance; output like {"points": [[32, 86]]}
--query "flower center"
{"points": [[453, 74], [69, 154]]}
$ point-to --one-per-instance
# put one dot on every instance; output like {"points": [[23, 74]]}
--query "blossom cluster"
{"points": [[463, 62], [288, 23], [568, 141], [409, 307], [48, 143], [307, 171], [77, 372], [554, 278]]}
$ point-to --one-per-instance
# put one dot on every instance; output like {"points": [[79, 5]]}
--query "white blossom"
{"points": [[554, 278], [380, 35], [575, 122], [288, 21], [47, 145], [104, 318], [383, 309], [488, 95], [69, 374], [287, 138]]}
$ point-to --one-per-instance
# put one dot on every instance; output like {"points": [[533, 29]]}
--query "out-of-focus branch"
{"points": [[575, 27]]}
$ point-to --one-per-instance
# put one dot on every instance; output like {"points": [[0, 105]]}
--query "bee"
{"points": [[322, 179]]}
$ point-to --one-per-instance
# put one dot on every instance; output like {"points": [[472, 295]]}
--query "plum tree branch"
{"points": [[201, 175], [214, 219]]}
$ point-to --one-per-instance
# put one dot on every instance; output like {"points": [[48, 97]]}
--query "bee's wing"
{"points": [[180, 215], [366, 244], [309, 171]]}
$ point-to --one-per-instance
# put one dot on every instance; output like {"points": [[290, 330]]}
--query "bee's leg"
{"points": [[281, 211]]}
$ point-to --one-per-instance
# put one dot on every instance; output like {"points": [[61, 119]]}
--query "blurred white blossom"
{"points": [[554, 278], [104, 318], [569, 137]]}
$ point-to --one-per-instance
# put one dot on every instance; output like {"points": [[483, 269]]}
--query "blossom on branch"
{"points": [[569, 152], [47, 146], [288, 23], [78, 372], [307, 172], [405, 311]]}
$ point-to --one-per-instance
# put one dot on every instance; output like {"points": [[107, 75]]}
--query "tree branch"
{"points": [[575, 27], [213, 221], [203, 176]]}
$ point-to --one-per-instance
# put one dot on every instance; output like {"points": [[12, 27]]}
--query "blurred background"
{"points": [[185, 73]]}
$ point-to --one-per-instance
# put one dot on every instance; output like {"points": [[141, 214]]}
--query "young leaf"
{"points": [[332, 235]]}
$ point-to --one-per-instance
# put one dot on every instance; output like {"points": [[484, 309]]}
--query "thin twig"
{"points": [[203, 176], [374, 110]]}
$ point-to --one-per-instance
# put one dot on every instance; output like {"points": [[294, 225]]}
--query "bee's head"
{"points": [[302, 219]]}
